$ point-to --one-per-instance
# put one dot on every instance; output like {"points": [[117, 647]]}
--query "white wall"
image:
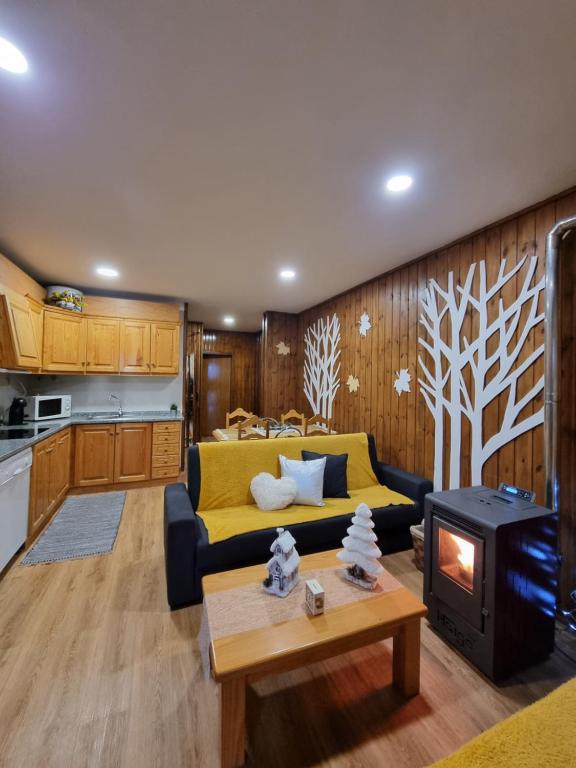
{"points": [[11, 385]]}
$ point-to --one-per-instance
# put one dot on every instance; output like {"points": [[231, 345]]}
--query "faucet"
{"points": [[115, 397]]}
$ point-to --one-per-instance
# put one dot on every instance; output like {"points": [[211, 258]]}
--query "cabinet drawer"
{"points": [[163, 449], [167, 426], [165, 472], [169, 460], [160, 438]]}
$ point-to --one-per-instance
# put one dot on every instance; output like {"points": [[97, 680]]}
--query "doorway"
{"points": [[215, 392]]}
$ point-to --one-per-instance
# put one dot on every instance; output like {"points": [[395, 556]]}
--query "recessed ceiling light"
{"points": [[228, 320], [287, 274], [399, 183], [11, 59], [107, 272]]}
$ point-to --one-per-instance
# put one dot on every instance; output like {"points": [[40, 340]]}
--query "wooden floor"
{"points": [[96, 671]]}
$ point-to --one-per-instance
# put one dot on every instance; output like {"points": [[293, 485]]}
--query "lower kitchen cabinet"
{"points": [[132, 452], [94, 446], [49, 481]]}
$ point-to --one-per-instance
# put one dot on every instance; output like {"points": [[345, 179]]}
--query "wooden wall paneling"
{"points": [[421, 410], [431, 265], [545, 219], [401, 400], [412, 311], [194, 346], [379, 337], [491, 412], [394, 365], [453, 265], [442, 280], [243, 347], [372, 351], [465, 264], [523, 444]]}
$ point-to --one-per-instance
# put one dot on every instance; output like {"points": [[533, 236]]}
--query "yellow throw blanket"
{"points": [[222, 524], [540, 736]]}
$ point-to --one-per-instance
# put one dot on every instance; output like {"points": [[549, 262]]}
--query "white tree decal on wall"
{"points": [[444, 386], [321, 364]]}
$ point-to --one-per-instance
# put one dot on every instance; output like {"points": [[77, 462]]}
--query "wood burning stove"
{"points": [[490, 576]]}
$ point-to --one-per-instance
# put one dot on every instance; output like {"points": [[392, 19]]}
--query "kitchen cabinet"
{"points": [[19, 341], [165, 348], [102, 345], [49, 480], [64, 346], [166, 439], [132, 452], [94, 454], [134, 346]]}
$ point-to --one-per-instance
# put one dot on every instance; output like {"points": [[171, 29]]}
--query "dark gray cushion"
{"points": [[335, 478]]}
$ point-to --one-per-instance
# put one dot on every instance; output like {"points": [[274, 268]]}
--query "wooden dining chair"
{"points": [[246, 428], [318, 425], [287, 418], [240, 414]]}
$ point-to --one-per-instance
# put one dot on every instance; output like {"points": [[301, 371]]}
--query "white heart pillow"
{"points": [[270, 493]]}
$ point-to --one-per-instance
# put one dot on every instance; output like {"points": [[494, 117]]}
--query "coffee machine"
{"points": [[16, 412]]}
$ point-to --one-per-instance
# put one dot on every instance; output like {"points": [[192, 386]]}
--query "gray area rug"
{"points": [[84, 526]]}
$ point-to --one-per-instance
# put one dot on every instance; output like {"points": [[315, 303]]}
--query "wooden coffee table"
{"points": [[238, 659]]}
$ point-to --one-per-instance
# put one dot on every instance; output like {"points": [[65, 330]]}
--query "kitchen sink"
{"points": [[103, 416]]}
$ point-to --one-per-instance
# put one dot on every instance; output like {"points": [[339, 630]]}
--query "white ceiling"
{"points": [[200, 145]]}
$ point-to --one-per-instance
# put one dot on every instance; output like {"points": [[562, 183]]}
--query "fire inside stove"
{"points": [[456, 558]]}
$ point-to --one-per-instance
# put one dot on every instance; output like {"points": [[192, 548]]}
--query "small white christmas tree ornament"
{"points": [[361, 550], [283, 565]]}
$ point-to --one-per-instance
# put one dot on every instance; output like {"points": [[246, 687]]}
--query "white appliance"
{"points": [[14, 494], [41, 407]]}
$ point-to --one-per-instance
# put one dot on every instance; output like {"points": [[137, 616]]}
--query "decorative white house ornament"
{"points": [[364, 324], [283, 349], [402, 381], [455, 360], [321, 365], [353, 383], [361, 550], [283, 565]]}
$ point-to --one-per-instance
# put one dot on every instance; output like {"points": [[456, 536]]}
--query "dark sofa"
{"points": [[189, 556]]}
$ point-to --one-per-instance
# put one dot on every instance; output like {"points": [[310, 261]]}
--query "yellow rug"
{"points": [[540, 736]]}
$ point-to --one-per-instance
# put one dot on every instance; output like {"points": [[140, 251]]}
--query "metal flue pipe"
{"points": [[552, 359]]}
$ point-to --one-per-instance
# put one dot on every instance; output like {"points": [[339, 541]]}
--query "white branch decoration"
{"points": [[448, 360], [321, 364]]}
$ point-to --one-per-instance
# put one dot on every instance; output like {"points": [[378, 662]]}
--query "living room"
{"points": [[286, 364]]}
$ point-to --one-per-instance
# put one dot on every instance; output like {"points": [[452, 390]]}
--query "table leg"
{"points": [[232, 722], [406, 661]]}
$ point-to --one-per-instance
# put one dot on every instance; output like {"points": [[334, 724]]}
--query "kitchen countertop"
{"points": [[10, 447]]}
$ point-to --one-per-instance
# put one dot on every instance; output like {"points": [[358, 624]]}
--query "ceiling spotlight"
{"points": [[107, 272], [11, 59], [228, 320], [287, 274], [399, 183]]}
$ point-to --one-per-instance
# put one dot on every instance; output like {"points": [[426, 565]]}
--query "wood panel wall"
{"points": [[279, 382], [245, 351], [402, 425]]}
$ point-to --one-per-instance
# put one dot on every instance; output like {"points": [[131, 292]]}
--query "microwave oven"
{"points": [[39, 407]]}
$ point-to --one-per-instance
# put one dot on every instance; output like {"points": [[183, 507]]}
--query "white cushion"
{"points": [[309, 477], [270, 493]]}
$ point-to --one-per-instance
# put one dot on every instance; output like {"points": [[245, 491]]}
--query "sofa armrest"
{"points": [[180, 539], [407, 483]]}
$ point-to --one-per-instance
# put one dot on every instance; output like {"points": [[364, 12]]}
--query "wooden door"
{"points": [[215, 393], [64, 347], [41, 487], [134, 346], [102, 345], [165, 348], [20, 326], [133, 453], [94, 454]]}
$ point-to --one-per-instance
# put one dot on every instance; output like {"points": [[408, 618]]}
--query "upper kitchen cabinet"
{"points": [[134, 346], [102, 345], [64, 347], [20, 332], [165, 348]]}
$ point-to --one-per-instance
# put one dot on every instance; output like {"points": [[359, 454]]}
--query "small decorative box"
{"points": [[314, 597]]}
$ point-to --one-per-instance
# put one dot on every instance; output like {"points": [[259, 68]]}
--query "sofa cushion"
{"points": [[335, 473], [308, 476], [222, 524], [227, 468]]}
